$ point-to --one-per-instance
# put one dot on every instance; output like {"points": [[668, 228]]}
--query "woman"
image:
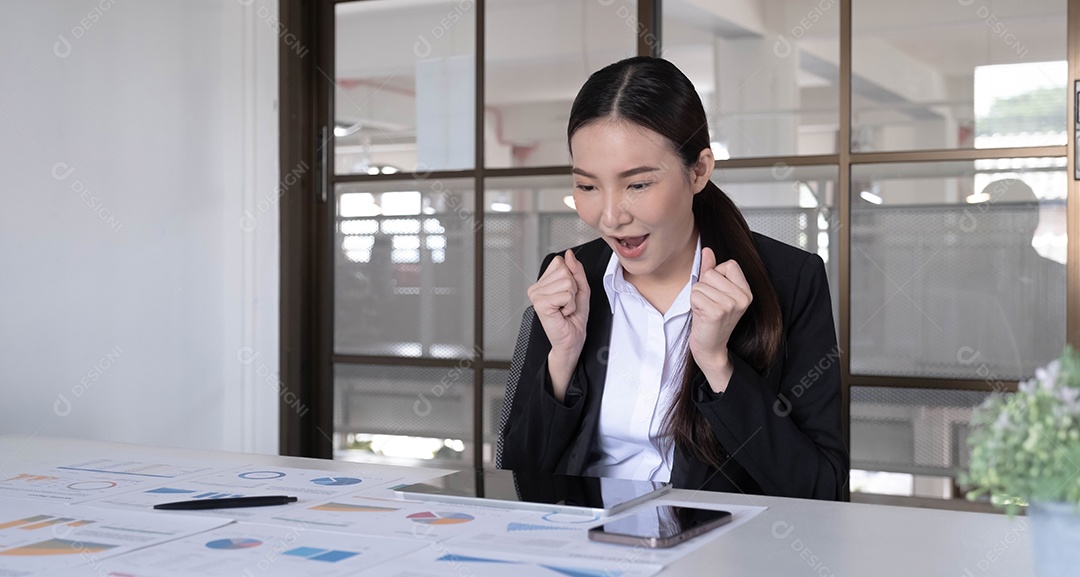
{"points": [[679, 345]]}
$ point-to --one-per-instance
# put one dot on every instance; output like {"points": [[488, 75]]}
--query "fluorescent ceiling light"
{"points": [[871, 197]]}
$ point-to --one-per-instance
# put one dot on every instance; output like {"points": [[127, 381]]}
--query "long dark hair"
{"points": [[653, 93]]}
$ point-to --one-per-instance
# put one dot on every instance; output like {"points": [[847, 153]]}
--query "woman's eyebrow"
{"points": [[623, 174]]}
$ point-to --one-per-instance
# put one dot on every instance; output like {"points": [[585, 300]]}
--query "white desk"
{"points": [[793, 538]]}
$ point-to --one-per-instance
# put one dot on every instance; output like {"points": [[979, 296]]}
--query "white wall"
{"points": [[134, 135]]}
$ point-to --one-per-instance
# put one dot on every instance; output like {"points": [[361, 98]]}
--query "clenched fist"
{"points": [[561, 301], [717, 302]]}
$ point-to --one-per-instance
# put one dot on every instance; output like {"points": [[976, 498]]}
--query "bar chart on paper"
{"points": [[49, 546], [90, 480], [193, 494], [454, 560], [264, 550], [138, 469], [305, 483], [383, 514], [247, 481], [47, 537]]}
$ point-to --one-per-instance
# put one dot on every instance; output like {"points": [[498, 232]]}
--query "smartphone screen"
{"points": [[659, 526]]}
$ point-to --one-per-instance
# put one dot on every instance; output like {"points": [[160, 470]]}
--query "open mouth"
{"points": [[631, 247], [631, 242]]}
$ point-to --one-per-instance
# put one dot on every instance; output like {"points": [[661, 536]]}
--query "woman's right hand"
{"points": [[561, 301]]}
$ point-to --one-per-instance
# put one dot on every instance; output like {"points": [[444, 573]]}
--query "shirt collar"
{"points": [[615, 283]]}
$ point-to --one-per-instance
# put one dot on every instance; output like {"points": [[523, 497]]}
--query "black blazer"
{"points": [[781, 431]]}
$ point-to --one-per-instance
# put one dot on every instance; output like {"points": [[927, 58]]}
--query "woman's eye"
{"points": [[585, 187], [639, 186]]}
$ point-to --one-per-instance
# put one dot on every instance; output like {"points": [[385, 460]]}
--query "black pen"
{"points": [[230, 503]]}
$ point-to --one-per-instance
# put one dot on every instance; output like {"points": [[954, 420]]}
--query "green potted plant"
{"points": [[1025, 452]]}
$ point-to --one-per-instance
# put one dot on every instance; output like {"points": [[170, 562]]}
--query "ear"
{"points": [[701, 171]]}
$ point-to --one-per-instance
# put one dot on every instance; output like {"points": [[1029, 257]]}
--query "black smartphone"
{"points": [[659, 526]]}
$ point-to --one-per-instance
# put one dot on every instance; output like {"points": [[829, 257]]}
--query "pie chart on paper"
{"points": [[234, 544], [336, 481], [429, 518], [91, 485], [261, 475]]}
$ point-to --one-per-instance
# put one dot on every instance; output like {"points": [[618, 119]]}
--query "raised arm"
{"points": [[791, 439], [546, 387]]}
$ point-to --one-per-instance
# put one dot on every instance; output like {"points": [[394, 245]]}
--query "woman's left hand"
{"points": [[717, 302]]}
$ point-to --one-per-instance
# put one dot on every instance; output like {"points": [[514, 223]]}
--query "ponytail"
{"points": [[755, 339]]}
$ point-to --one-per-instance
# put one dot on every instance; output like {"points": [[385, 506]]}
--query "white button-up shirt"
{"points": [[645, 367]]}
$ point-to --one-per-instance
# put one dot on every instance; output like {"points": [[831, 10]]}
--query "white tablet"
{"points": [[596, 496]]}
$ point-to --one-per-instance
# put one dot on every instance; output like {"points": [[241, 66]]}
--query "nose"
{"points": [[616, 211]]}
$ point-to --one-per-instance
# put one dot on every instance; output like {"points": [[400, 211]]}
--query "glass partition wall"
{"points": [[956, 225], [922, 150]]}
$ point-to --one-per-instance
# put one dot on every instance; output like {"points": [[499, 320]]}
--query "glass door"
{"points": [[449, 171]]}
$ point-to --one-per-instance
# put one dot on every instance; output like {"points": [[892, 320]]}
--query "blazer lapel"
{"points": [[598, 329], [594, 355]]}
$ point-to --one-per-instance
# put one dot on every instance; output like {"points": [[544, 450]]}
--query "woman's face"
{"points": [[631, 187]]}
